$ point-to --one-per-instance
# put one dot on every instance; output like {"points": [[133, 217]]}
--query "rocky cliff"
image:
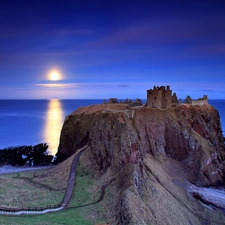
{"points": [[153, 156]]}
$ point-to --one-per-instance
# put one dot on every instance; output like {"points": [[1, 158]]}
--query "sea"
{"points": [[30, 122]]}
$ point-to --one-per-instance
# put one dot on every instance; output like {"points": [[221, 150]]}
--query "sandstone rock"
{"points": [[184, 143]]}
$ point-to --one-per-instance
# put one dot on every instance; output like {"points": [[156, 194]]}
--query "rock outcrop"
{"points": [[153, 155]]}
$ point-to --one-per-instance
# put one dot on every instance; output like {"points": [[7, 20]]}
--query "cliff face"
{"points": [[146, 149]]}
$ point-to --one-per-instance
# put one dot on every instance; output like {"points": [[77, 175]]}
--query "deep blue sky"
{"points": [[110, 48]]}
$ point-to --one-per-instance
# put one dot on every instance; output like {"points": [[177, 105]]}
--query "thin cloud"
{"points": [[71, 31], [52, 85], [123, 85], [162, 32]]}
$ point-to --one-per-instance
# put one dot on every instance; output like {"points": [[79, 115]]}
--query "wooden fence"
{"points": [[29, 209]]}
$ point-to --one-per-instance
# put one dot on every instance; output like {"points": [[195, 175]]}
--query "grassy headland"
{"points": [[47, 187]]}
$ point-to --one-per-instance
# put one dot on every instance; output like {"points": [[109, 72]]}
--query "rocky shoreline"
{"points": [[214, 197]]}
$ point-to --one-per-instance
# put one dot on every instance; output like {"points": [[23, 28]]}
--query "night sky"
{"points": [[109, 48]]}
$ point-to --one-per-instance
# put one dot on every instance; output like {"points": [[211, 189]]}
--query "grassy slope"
{"points": [[164, 198], [170, 200], [54, 178]]}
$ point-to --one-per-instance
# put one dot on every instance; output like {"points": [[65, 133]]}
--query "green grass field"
{"points": [[46, 187]]}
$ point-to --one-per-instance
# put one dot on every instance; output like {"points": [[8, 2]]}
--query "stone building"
{"points": [[188, 100], [160, 97], [199, 101], [113, 101], [127, 101]]}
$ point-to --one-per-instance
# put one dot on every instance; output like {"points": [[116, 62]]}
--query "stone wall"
{"points": [[200, 101]]}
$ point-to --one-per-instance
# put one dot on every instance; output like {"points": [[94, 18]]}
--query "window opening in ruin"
{"points": [[155, 97]]}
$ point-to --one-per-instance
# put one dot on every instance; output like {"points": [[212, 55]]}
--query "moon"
{"points": [[54, 75]]}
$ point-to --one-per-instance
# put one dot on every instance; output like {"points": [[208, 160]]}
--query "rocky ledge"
{"points": [[154, 157]]}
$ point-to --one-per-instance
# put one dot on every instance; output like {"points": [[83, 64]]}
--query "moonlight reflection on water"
{"points": [[53, 124]]}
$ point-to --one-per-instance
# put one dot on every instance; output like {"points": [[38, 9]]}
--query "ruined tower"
{"points": [[159, 97]]}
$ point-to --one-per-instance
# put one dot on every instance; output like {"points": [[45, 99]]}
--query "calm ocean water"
{"points": [[30, 122]]}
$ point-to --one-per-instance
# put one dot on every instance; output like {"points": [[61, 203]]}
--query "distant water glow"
{"points": [[53, 125]]}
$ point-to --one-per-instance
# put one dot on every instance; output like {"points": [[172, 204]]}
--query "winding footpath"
{"points": [[67, 197]]}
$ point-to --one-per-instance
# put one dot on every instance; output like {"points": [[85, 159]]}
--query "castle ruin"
{"points": [[161, 97], [127, 101], [199, 101]]}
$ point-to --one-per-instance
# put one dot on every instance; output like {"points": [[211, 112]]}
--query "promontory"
{"points": [[156, 161]]}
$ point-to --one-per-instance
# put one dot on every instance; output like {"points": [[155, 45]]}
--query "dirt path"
{"points": [[71, 180], [66, 199]]}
